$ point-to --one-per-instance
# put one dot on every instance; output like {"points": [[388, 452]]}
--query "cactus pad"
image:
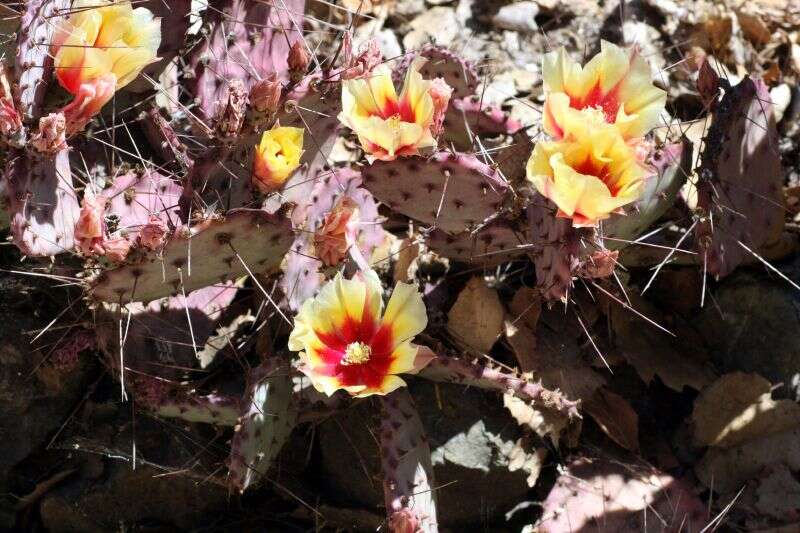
{"points": [[245, 41], [34, 63], [209, 409], [740, 178], [42, 202], [136, 198], [496, 243], [205, 255], [266, 421], [556, 246], [456, 370], [408, 485], [672, 164], [468, 117], [453, 192], [442, 63]]}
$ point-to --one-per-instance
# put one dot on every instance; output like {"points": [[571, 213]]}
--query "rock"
{"points": [[472, 442], [753, 327], [438, 24], [519, 17], [408, 8], [781, 97], [388, 44]]}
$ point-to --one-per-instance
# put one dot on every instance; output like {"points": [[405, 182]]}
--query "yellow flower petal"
{"points": [[276, 157], [405, 312], [616, 81], [344, 343], [590, 173], [102, 37]]}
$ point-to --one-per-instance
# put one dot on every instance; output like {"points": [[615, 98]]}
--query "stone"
{"points": [[520, 17], [438, 24]]}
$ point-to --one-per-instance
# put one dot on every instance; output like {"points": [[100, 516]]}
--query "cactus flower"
{"points": [[276, 157], [389, 126], [591, 174], [615, 81], [101, 46], [349, 342]]}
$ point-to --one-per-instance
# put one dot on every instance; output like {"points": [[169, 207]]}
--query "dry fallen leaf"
{"points": [[476, 319], [754, 28], [739, 407], [406, 255], [525, 307], [523, 343], [519, 458], [727, 469], [615, 416], [653, 352]]}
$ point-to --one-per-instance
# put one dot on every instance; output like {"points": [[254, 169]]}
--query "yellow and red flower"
{"points": [[590, 174], [615, 81], [389, 126], [276, 157], [348, 342], [101, 46]]}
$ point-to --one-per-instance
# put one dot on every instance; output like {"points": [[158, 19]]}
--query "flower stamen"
{"points": [[356, 353]]}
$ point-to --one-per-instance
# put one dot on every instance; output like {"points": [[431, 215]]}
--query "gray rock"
{"points": [[519, 17]]}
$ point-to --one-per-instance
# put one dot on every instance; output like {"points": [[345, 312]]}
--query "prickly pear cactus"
{"points": [[673, 166], [266, 420], [408, 484], [42, 202], [740, 179], [218, 249], [452, 192]]}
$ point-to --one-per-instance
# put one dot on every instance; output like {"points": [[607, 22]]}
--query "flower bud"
{"points": [[298, 60], [265, 95], [276, 157]]}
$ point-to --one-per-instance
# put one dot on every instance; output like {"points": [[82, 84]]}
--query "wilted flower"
{"points": [[347, 345], [276, 157], [337, 232], [440, 93], [117, 249], [51, 137], [153, 234], [357, 66], [10, 121], [388, 126], [90, 227], [615, 81], [589, 175], [101, 46]]}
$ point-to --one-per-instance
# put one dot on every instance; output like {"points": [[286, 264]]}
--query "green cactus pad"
{"points": [[266, 422], [260, 239], [452, 192]]}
